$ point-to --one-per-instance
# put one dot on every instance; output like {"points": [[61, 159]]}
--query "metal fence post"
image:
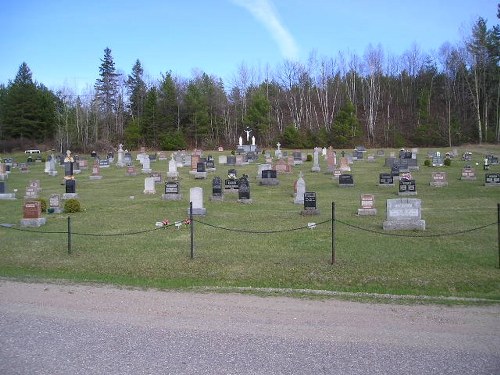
{"points": [[192, 228], [69, 235], [334, 260]]}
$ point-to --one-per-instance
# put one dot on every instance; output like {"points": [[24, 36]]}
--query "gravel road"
{"points": [[53, 328]]}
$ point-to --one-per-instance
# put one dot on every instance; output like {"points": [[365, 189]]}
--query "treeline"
{"points": [[447, 98]]}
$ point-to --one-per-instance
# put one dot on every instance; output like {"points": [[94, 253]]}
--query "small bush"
{"points": [[72, 205], [43, 204], [447, 162], [427, 163], [309, 157]]}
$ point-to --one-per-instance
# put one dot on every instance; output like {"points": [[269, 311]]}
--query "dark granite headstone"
{"points": [[71, 186]]}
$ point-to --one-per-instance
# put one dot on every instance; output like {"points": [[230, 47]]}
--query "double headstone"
{"points": [[492, 180], [386, 179], [404, 214], [367, 205], [439, 179], [32, 214]]}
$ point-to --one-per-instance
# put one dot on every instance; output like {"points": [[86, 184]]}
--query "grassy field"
{"points": [[445, 262]]}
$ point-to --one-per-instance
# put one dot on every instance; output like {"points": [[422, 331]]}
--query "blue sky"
{"points": [[62, 41]]}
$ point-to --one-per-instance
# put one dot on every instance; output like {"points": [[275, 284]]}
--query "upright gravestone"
{"points": [[55, 204], [269, 177], [316, 167], [70, 189], [492, 180], [217, 191], [438, 179], [297, 157], [32, 214], [367, 202], [346, 180], [149, 185], [385, 179], [4, 195], [231, 184], [407, 187], [146, 165], [468, 173], [196, 200], [172, 191], [201, 172], [120, 162], [310, 204], [131, 171], [244, 190], [96, 172], [300, 188], [404, 214]]}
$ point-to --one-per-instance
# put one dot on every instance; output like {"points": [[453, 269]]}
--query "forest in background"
{"points": [[446, 98]]}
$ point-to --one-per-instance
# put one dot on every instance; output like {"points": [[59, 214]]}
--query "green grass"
{"points": [[368, 259]]}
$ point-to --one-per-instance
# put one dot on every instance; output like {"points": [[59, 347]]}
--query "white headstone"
{"points": [[316, 167], [149, 185], [301, 189], [196, 198]]}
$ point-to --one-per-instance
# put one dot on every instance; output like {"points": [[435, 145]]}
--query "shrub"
{"points": [[447, 162], [309, 157], [427, 163], [72, 205], [43, 204]]}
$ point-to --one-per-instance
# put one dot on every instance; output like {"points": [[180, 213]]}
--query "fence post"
{"points": [[498, 229], [192, 228], [334, 260], [69, 235]]}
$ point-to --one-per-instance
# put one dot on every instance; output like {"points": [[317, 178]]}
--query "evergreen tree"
{"points": [[257, 116], [137, 90], [106, 95], [27, 111]]}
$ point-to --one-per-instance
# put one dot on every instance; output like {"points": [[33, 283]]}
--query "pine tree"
{"points": [[106, 95], [137, 90]]}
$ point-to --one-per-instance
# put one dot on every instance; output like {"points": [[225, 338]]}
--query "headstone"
{"points": [[32, 214], [492, 180], [316, 167], [367, 205], [217, 191], [439, 179], [104, 163], [297, 157], [386, 179], [282, 167], [172, 173], [380, 153], [244, 190], [407, 187], [437, 161], [231, 160], [55, 204], [146, 165], [468, 173], [127, 158], [83, 164], [4, 195], [310, 204], [195, 159], [239, 159], [210, 165], [149, 185], [346, 180], [196, 200], [300, 188], [70, 190], [200, 173], [162, 155], [156, 176], [344, 164], [263, 167], [404, 214], [223, 159], [96, 172], [31, 193], [131, 171], [269, 177], [172, 191], [68, 169], [336, 173], [120, 162], [231, 184]]}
